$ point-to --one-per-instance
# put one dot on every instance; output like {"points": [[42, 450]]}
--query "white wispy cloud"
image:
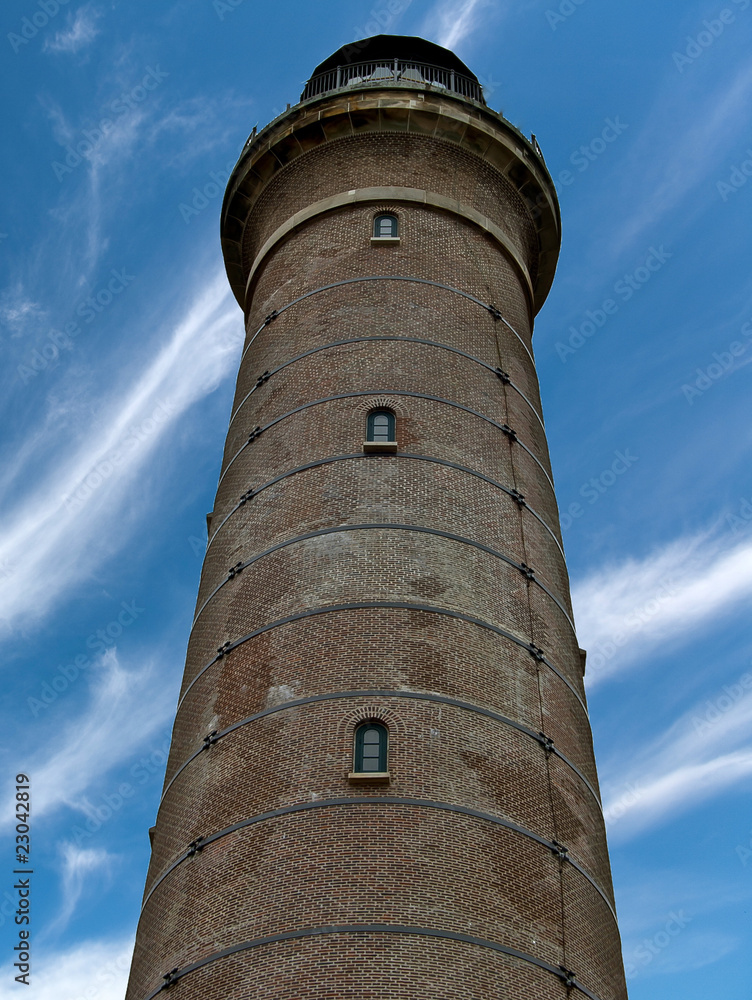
{"points": [[95, 159], [452, 21], [126, 710], [704, 753], [19, 314], [696, 132], [80, 510], [97, 970], [694, 910], [623, 612], [82, 29], [77, 865]]}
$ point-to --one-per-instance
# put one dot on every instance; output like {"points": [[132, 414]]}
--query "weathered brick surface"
{"points": [[384, 160], [432, 860], [329, 497]]}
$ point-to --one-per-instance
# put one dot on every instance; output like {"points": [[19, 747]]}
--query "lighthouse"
{"points": [[381, 781]]}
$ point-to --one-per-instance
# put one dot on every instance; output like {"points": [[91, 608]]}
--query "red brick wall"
{"points": [[421, 886]]}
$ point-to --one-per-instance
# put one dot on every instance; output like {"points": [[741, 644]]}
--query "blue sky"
{"points": [[121, 340]]}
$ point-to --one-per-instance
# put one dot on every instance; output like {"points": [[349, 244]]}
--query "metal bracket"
{"points": [[494, 312], [256, 432], [536, 652], [272, 315], [264, 377], [210, 740], [234, 570], [512, 435], [560, 850], [195, 846], [248, 495], [224, 648], [518, 497], [503, 376], [169, 978], [546, 742], [527, 571], [568, 978]]}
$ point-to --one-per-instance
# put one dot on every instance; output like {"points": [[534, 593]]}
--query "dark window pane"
{"points": [[371, 748], [385, 225], [380, 426]]}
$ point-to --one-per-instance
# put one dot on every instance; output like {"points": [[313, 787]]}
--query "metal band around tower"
{"points": [[529, 647], [391, 339], [438, 699], [512, 435], [527, 571], [568, 978], [388, 277], [517, 497], [558, 850]]}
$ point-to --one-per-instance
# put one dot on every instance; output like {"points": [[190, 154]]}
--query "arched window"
{"points": [[371, 745], [380, 426], [385, 227]]}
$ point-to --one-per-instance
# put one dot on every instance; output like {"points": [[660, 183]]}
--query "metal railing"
{"points": [[389, 72]]}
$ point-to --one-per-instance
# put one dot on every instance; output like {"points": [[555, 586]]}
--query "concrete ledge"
{"points": [[406, 196], [442, 117], [379, 446]]}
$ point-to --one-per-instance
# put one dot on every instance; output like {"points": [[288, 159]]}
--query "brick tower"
{"points": [[381, 782]]}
